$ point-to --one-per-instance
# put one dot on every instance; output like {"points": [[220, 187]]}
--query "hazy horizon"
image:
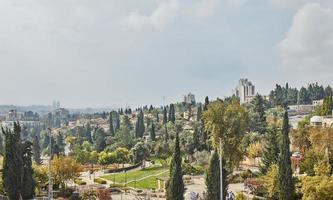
{"points": [[115, 53]]}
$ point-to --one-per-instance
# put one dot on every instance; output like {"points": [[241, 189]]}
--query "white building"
{"points": [[244, 90], [189, 98]]}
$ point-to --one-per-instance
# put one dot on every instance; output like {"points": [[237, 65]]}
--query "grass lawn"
{"points": [[148, 183], [133, 175]]}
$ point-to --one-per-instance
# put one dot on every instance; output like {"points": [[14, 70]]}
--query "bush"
{"points": [[188, 169], [79, 182], [100, 181], [240, 196]]}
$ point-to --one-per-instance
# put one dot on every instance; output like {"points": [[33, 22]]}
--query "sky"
{"points": [[116, 53]]}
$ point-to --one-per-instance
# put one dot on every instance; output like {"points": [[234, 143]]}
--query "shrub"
{"points": [[240, 196], [100, 181], [79, 182]]}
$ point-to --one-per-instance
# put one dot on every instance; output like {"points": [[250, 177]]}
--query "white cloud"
{"points": [[158, 19], [308, 45]]}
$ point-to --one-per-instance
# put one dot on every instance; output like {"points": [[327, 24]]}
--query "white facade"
{"points": [[189, 98], [244, 90]]}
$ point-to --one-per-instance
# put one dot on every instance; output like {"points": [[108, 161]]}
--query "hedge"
{"points": [[100, 181]]}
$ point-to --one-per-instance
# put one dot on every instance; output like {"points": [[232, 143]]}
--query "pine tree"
{"points": [[259, 109], [286, 185], [12, 163], [28, 182], [111, 128], [165, 116], [175, 185], [270, 153], [213, 179], [36, 151], [152, 132]]}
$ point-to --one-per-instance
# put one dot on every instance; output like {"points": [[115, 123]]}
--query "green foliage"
{"points": [[270, 152], [140, 126], [172, 113], [152, 132], [213, 181], [28, 182], [36, 150], [286, 185], [175, 186], [111, 128], [139, 152], [230, 123], [12, 164], [165, 116], [99, 181], [258, 116]]}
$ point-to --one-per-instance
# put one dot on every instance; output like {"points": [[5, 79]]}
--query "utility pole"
{"points": [[221, 169], [50, 159]]}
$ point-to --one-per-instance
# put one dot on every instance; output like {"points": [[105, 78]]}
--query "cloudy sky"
{"points": [[126, 52]]}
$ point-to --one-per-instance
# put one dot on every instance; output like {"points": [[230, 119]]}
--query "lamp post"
{"points": [[50, 159]]}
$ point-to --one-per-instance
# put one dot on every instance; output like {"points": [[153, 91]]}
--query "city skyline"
{"points": [[116, 54]]}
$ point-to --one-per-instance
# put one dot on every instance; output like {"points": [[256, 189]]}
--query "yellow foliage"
{"points": [[64, 169], [317, 187]]}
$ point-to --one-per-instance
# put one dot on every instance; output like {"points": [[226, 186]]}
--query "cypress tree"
{"points": [[199, 112], [36, 151], [12, 163], [206, 103], [1, 145], [165, 116], [28, 183], [152, 132], [117, 122], [213, 180], [46, 141], [286, 185], [271, 150], [111, 128], [175, 186], [172, 114], [157, 118]]}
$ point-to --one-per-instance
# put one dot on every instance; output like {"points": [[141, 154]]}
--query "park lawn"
{"points": [[148, 183], [133, 175]]}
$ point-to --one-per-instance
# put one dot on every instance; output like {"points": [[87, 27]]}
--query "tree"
{"points": [[259, 122], [172, 113], [175, 185], [271, 181], [270, 154], [140, 126], [12, 163], [28, 182], [317, 187], [103, 194], [287, 190], [213, 181], [125, 135], [64, 169], [100, 137], [199, 112], [165, 116], [36, 151], [228, 122], [152, 132], [111, 128], [139, 152]]}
